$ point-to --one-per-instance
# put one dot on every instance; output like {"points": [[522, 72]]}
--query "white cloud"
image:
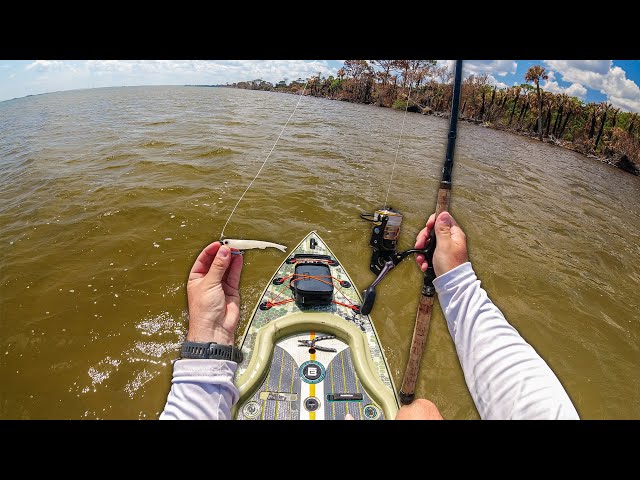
{"points": [[574, 90], [217, 71], [43, 76], [492, 81], [492, 68], [622, 92], [601, 75], [43, 65], [579, 67], [449, 63]]}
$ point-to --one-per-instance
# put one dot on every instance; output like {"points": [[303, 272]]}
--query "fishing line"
{"points": [[398, 147], [265, 160]]}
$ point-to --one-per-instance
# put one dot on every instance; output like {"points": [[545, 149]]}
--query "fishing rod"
{"points": [[384, 237], [423, 318]]}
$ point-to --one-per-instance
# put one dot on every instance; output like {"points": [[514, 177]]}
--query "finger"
{"points": [[232, 276], [431, 221], [443, 224], [455, 228], [420, 409], [457, 233], [452, 220], [421, 239], [219, 265], [449, 226], [348, 416], [204, 261], [422, 262]]}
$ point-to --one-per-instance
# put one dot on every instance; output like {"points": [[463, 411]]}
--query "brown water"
{"points": [[107, 196]]}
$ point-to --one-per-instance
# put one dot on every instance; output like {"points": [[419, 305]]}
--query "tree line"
{"points": [[425, 86]]}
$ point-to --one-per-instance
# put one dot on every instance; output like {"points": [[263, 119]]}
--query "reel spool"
{"points": [[384, 236], [384, 240]]}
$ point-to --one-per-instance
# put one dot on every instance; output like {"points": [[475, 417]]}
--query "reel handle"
{"points": [[369, 295]]}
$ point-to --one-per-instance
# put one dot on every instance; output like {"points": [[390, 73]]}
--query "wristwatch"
{"points": [[210, 350]]}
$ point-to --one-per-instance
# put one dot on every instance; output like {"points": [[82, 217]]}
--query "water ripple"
{"points": [[107, 196]]}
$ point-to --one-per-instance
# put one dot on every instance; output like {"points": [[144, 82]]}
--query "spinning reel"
{"points": [[384, 240]]}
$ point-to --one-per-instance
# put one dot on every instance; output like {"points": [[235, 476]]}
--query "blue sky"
{"points": [[615, 81]]}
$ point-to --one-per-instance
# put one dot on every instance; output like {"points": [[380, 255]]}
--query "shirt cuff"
{"points": [[454, 278], [203, 370]]}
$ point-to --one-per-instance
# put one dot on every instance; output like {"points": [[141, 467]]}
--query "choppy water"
{"points": [[107, 196]]}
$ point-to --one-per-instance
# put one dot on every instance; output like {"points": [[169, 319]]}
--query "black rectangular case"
{"points": [[309, 292]]}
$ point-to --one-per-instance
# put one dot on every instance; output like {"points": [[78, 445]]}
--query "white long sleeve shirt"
{"points": [[506, 377]]}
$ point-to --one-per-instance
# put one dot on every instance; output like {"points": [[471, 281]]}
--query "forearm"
{"points": [[506, 377], [201, 390]]}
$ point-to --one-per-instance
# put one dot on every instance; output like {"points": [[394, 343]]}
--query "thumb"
{"points": [[443, 225], [219, 265]]}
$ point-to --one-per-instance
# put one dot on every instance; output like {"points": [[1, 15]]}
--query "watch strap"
{"points": [[210, 350]]}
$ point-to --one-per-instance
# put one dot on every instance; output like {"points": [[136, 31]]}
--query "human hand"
{"points": [[451, 245], [214, 300], [419, 409]]}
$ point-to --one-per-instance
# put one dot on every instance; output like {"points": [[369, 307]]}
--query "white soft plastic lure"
{"points": [[250, 244]]}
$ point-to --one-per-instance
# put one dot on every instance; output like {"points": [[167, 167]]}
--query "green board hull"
{"points": [[282, 379]]}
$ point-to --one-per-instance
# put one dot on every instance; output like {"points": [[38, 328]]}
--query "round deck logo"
{"points": [[251, 409], [312, 404], [371, 412], [312, 372]]}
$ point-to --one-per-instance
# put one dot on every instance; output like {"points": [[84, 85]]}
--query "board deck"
{"points": [[293, 382]]}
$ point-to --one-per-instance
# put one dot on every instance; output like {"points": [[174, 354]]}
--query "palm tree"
{"points": [[573, 106], [594, 113], [562, 100], [535, 74], [516, 97], [613, 122], [551, 103], [631, 124], [606, 107]]}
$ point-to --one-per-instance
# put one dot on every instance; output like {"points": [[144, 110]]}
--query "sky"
{"points": [[615, 81]]}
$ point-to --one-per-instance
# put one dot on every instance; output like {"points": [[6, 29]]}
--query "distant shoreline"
{"points": [[628, 166], [596, 130], [524, 127], [555, 142], [111, 86]]}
